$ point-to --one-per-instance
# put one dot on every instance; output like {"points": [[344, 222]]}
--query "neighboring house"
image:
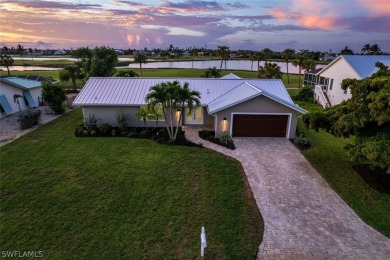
{"points": [[242, 107], [310, 78], [60, 52], [30, 90], [328, 90]]}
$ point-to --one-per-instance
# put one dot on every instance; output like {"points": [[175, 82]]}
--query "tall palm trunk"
{"points": [[220, 67], [288, 76], [299, 77]]}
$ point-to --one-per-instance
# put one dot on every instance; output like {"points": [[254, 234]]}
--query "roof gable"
{"points": [[363, 65]]}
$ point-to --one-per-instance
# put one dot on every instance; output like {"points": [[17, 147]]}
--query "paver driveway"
{"points": [[303, 217]]}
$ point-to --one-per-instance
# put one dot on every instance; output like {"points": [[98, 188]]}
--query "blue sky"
{"points": [[247, 24]]}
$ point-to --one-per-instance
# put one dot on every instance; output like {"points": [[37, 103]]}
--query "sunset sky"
{"points": [[246, 24]]}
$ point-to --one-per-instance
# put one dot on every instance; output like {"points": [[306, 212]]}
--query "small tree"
{"points": [[6, 61], [126, 73], [103, 62], [140, 58], [211, 73], [73, 73], [223, 52], [171, 96], [269, 71], [54, 95], [365, 116], [144, 114]]}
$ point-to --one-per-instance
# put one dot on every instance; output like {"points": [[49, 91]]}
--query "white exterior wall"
{"points": [[338, 71], [108, 115], [9, 91], [36, 93]]}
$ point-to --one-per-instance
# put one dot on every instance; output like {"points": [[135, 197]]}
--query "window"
{"points": [[331, 84], [346, 91]]}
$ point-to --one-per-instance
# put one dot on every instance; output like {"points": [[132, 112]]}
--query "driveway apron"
{"points": [[304, 218]]}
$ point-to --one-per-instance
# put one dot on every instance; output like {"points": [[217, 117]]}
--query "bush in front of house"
{"points": [[224, 139], [29, 118], [159, 135], [91, 123], [301, 141], [304, 94]]}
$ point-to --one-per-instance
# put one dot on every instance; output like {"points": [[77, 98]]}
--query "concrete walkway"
{"points": [[303, 217], [10, 129]]}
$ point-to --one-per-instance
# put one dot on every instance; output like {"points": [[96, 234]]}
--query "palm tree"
{"points": [[299, 62], [144, 114], [269, 71], [140, 58], [211, 73], [186, 98], [252, 58], [287, 55], [366, 48], [73, 73], [308, 65], [20, 50], [169, 96], [258, 56], [374, 49], [267, 53], [6, 61], [223, 52]]}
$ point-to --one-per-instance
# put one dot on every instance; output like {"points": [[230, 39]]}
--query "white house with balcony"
{"points": [[328, 91]]}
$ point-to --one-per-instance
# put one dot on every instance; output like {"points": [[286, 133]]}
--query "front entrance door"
{"points": [[195, 117]]}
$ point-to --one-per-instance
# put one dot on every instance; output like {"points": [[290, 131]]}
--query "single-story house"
{"points": [[328, 91], [242, 107], [30, 90]]}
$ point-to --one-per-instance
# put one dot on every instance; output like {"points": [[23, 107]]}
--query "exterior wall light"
{"points": [[224, 125]]}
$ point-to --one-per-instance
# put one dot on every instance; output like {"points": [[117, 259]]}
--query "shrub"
{"points": [[113, 132], [304, 94], [301, 141], [79, 130], [90, 122], [105, 129], [226, 139], [54, 95], [93, 133], [85, 132], [29, 118], [122, 121]]}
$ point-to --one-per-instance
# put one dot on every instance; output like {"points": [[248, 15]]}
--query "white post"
{"points": [[203, 243]]}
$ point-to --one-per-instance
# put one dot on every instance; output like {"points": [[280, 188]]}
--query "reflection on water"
{"points": [[230, 65]]}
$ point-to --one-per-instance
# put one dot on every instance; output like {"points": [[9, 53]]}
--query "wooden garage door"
{"points": [[260, 125]]}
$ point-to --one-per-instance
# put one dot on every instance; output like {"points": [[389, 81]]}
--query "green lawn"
{"points": [[329, 158], [122, 198]]}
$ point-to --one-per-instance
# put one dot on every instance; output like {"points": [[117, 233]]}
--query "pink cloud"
{"points": [[310, 21], [376, 7]]}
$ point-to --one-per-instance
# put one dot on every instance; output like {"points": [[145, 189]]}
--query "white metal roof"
{"points": [[363, 65], [117, 91], [230, 76], [246, 91]]}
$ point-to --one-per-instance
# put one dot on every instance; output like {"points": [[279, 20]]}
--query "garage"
{"points": [[260, 125]]}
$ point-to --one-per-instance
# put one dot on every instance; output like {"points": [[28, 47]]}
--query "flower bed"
{"points": [[224, 139]]}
